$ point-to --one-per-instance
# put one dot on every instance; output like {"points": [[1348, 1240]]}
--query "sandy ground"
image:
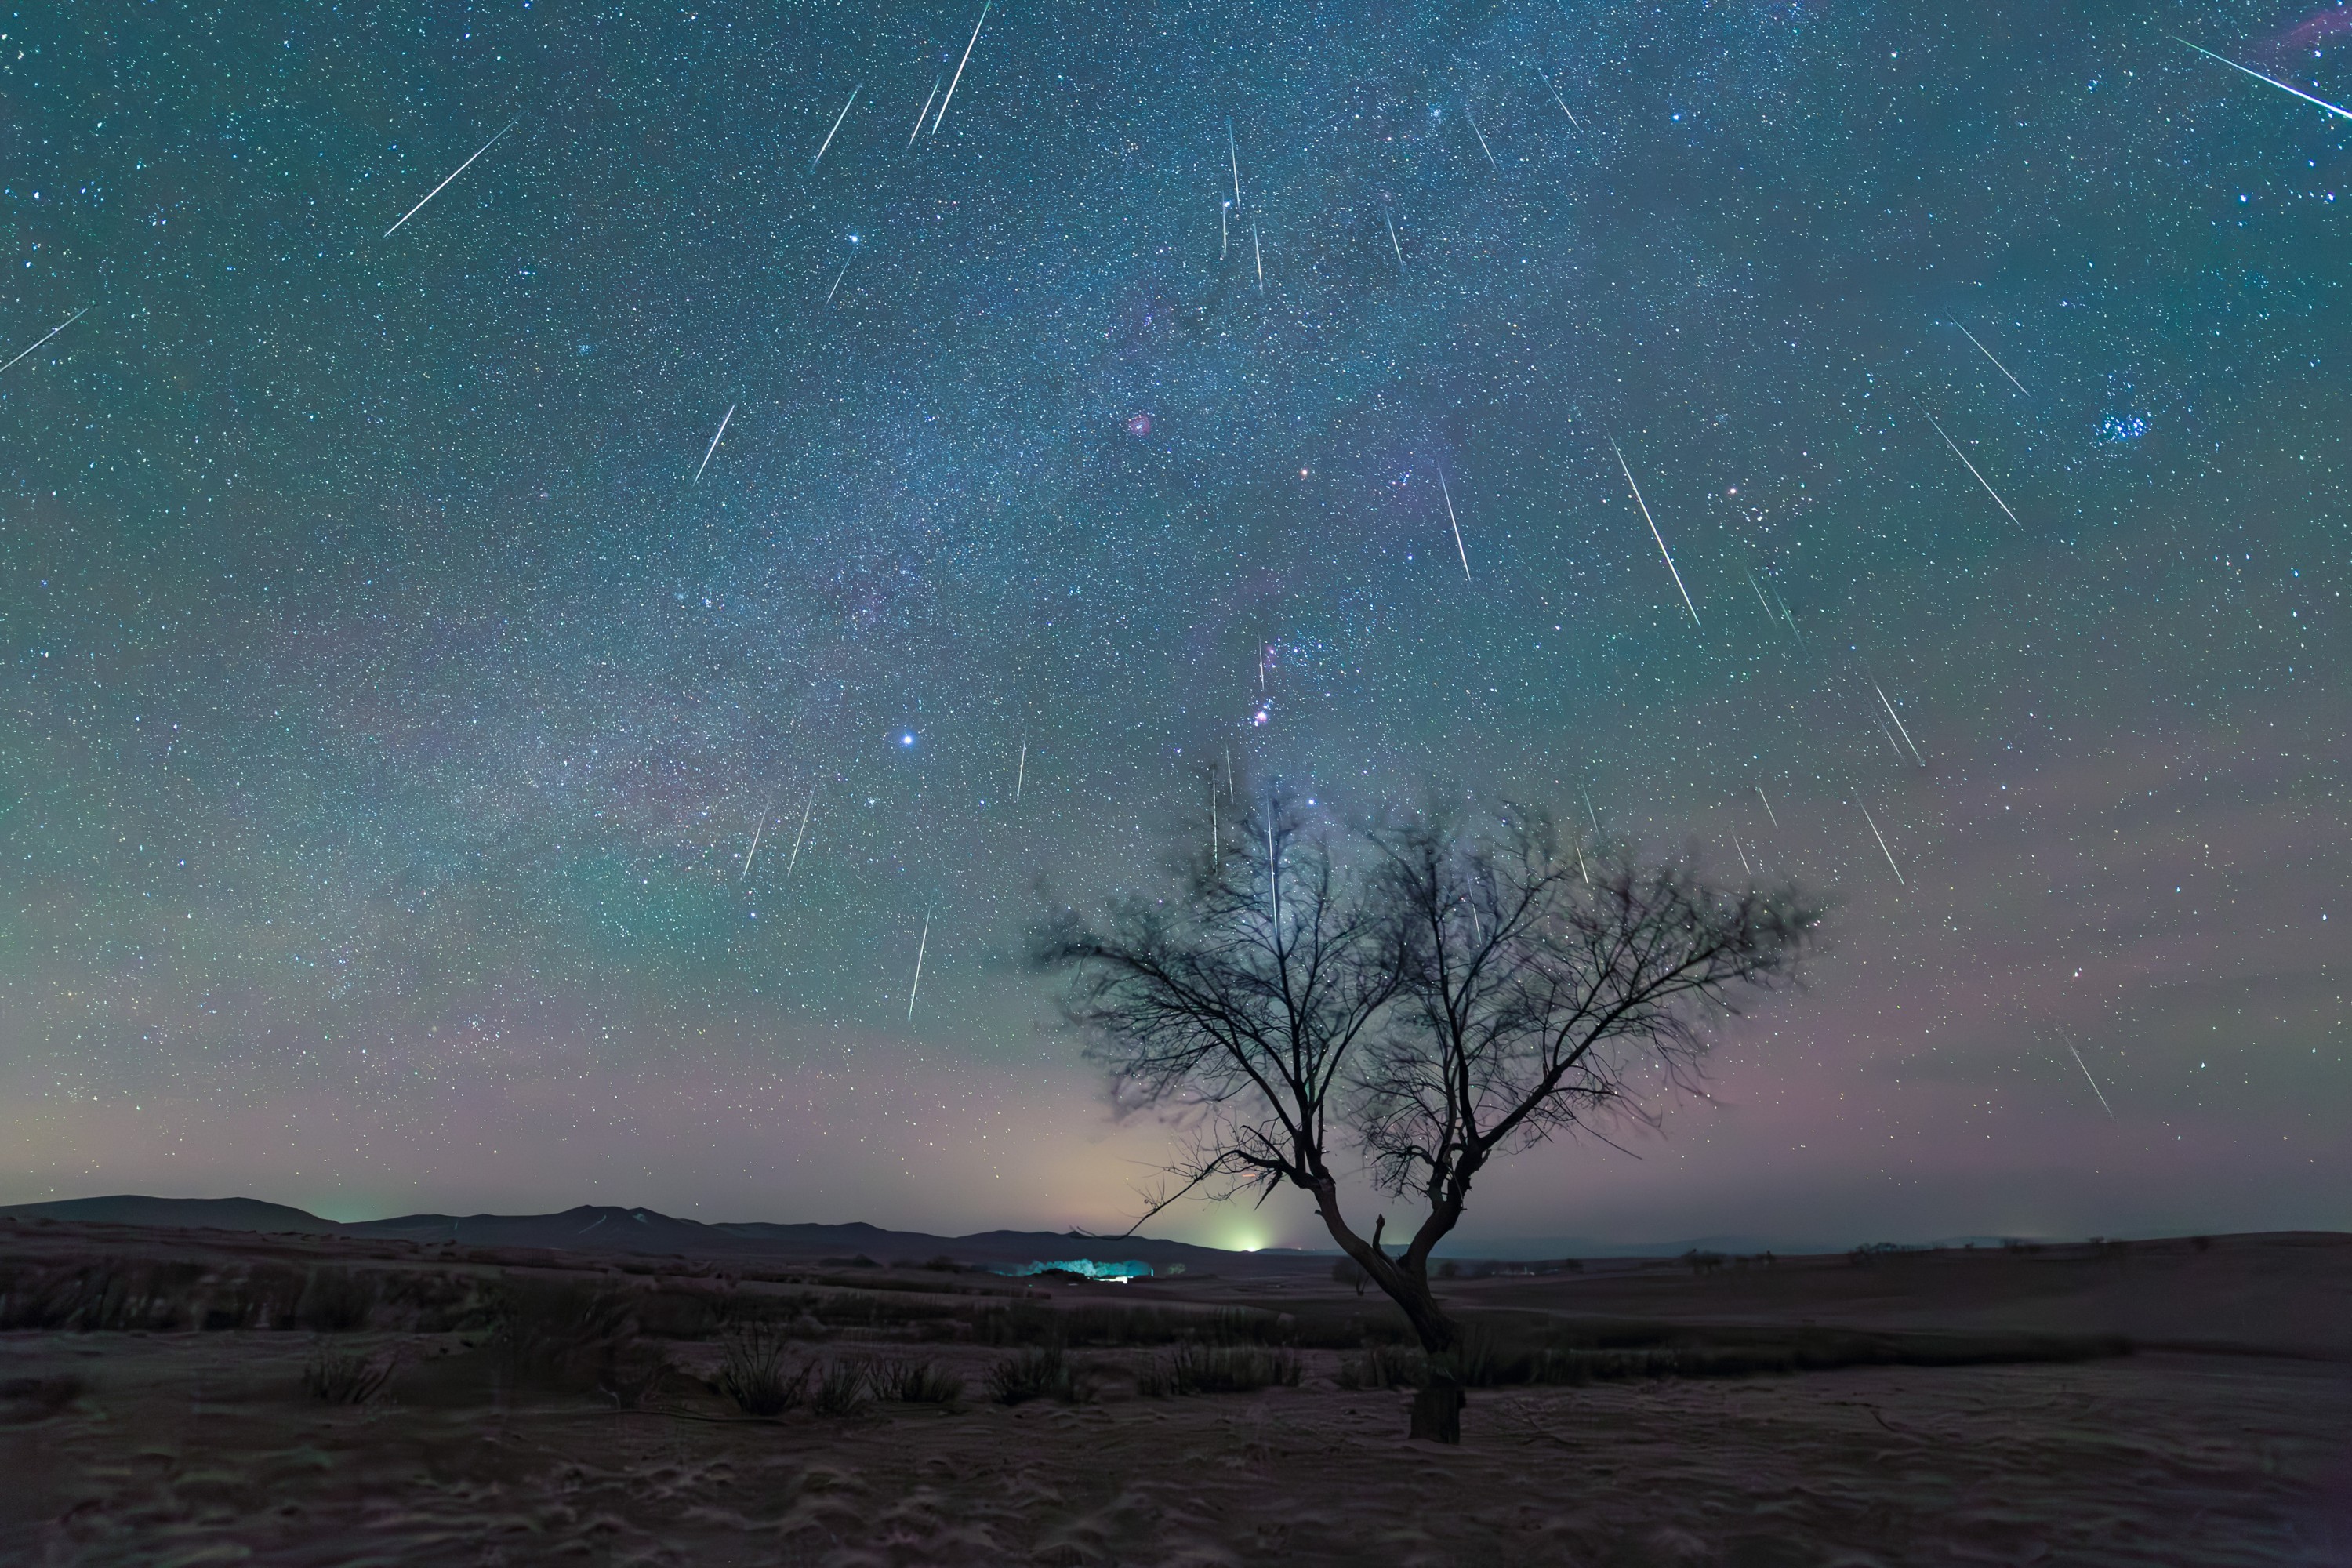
{"points": [[193, 1448]]}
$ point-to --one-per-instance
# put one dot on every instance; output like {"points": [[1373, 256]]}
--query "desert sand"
{"points": [[2221, 1437]]}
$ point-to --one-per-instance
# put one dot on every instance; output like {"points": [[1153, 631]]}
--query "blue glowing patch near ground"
{"points": [[1086, 1266]]}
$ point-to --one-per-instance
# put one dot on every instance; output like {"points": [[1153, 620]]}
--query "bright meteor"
{"points": [[1661, 538], [2283, 86], [52, 333], [453, 175], [1963, 457]]}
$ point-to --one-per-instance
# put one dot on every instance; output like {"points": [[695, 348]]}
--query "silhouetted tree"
{"points": [[1429, 997]]}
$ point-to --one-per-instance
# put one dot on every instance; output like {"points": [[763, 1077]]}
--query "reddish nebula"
{"points": [[1139, 425]]}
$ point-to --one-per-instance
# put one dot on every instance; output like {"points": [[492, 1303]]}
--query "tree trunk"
{"points": [[1437, 1404], [1437, 1410]]}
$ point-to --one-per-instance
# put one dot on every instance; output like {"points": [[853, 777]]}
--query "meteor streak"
{"points": [[753, 852], [2283, 86], [1963, 457], [1743, 852], [922, 948], [1021, 774], [1883, 849], [1473, 119], [1448, 493], [453, 175], [1258, 255], [924, 113], [1557, 99], [1233, 155], [1891, 714], [714, 443], [1791, 619], [52, 333], [800, 837], [836, 124], [1654, 532], [1768, 814], [960, 65], [1393, 240], [1996, 364], [836, 280], [2078, 1059]]}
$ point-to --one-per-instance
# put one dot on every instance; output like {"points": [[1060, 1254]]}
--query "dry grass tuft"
{"points": [[1043, 1372], [915, 1383], [347, 1377], [751, 1370], [844, 1387], [1231, 1369]]}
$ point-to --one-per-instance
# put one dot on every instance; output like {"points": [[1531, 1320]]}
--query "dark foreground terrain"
{"points": [[190, 1397]]}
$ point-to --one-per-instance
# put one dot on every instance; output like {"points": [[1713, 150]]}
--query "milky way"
{"points": [[399, 670]]}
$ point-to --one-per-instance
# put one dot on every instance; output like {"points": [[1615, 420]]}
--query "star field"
{"points": [[395, 673]]}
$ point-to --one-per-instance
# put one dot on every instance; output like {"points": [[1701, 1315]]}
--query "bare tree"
{"points": [[1439, 997]]}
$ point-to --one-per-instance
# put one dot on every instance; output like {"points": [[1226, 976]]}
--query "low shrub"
{"points": [[561, 1333], [843, 1388], [751, 1370], [1384, 1366], [1610, 1352], [347, 1377], [915, 1383], [1102, 1324], [1044, 1372], [1196, 1369], [336, 1300]]}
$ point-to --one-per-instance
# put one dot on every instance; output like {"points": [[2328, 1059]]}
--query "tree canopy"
{"points": [[1422, 997]]}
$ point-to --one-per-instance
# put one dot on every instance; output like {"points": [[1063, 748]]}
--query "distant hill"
{"points": [[603, 1229], [179, 1214], [599, 1228]]}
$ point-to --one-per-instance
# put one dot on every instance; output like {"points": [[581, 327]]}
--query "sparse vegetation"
{"points": [[1615, 1353], [915, 1383], [347, 1376], [842, 1387], [1384, 1366], [1203, 1369], [335, 1301], [1041, 1373], [751, 1370]]}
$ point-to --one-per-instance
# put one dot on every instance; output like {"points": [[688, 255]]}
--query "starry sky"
{"points": [[394, 677]]}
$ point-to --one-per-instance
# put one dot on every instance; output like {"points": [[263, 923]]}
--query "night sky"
{"points": [[392, 677]]}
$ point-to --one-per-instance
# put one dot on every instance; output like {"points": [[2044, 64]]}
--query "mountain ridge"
{"points": [[604, 1227]]}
